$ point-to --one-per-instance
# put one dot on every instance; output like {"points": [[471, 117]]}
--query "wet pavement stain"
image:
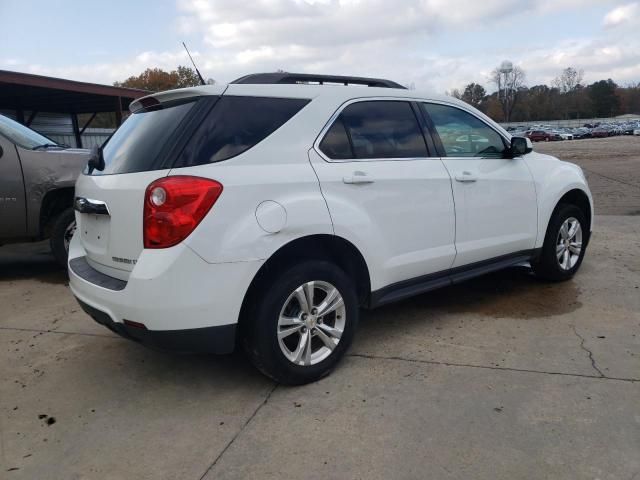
{"points": [[511, 293], [514, 293]]}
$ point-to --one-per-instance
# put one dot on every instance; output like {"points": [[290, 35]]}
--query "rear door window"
{"points": [[376, 129], [235, 124]]}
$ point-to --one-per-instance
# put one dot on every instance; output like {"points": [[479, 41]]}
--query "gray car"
{"points": [[37, 178]]}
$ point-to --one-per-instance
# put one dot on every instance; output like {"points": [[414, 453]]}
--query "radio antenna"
{"points": [[194, 64]]}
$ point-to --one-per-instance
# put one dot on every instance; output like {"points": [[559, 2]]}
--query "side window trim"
{"points": [[426, 129], [337, 114], [434, 132], [202, 108]]}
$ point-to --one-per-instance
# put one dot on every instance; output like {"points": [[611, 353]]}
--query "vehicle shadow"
{"points": [[512, 293], [123, 364], [30, 261]]}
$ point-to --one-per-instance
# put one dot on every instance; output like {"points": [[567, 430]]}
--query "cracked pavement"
{"points": [[589, 352], [501, 377]]}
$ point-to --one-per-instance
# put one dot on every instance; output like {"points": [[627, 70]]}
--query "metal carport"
{"points": [[27, 95]]}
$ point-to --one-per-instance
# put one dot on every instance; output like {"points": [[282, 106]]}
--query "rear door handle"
{"points": [[357, 177], [466, 177]]}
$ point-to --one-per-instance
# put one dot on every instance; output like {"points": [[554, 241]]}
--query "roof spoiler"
{"points": [[156, 100], [301, 78]]}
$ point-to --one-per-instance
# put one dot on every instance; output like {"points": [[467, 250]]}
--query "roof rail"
{"points": [[293, 78]]}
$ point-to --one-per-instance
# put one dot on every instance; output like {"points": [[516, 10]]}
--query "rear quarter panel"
{"points": [[277, 170]]}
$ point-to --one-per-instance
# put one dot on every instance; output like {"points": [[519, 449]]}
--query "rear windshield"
{"points": [[142, 140], [147, 139], [235, 125]]}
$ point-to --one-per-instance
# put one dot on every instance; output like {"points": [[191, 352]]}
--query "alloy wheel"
{"points": [[569, 243], [311, 323]]}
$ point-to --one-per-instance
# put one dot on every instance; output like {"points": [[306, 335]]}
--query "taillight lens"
{"points": [[174, 206]]}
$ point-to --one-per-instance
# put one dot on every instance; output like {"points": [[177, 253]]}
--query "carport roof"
{"points": [[25, 91]]}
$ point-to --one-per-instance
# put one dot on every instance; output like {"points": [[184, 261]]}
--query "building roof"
{"points": [[25, 91]]}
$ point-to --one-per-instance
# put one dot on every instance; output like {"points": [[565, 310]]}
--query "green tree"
{"points": [[603, 96], [187, 77], [629, 98], [157, 80], [474, 94]]}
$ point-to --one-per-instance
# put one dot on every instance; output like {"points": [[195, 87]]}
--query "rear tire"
{"points": [[63, 229], [564, 244], [297, 337]]}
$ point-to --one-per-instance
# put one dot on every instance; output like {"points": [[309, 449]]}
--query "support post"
{"points": [[118, 112], [31, 117], [76, 130], [88, 122]]}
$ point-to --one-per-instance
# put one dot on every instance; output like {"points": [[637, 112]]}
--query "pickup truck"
{"points": [[37, 178]]}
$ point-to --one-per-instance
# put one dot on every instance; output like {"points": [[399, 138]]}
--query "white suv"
{"points": [[268, 211]]}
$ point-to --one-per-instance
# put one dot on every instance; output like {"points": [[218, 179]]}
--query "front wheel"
{"points": [[564, 244], [64, 226], [302, 323]]}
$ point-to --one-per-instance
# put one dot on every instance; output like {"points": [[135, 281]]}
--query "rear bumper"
{"points": [[219, 340], [184, 303]]}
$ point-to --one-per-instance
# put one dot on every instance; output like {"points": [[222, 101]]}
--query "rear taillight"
{"points": [[174, 206]]}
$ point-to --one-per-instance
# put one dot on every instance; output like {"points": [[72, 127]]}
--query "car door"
{"points": [[13, 218], [384, 192], [495, 197]]}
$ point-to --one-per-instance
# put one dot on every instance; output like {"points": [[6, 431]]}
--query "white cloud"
{"points": [[385, 38], [624, 14], [378, 38]]}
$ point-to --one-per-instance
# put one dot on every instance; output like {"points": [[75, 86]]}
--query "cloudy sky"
{"points": [[433, 44]]}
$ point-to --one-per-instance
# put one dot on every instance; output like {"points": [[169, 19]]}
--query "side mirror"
{"points": [[1, 152], [519, 146]]}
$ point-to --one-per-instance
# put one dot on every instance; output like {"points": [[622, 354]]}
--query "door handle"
{"points": [[466, 177], [357, 177], [87, 205]]}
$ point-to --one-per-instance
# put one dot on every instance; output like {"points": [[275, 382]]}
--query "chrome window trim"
{"points": [[336, 114]]}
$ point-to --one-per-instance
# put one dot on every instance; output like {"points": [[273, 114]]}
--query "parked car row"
{"points": [[547, 133]]}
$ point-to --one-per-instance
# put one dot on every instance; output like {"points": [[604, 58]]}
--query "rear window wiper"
{"points": [[44, 146]]}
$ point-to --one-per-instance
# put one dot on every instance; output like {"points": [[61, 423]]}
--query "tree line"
{"points": [[566, 98], [158, 80], [513, 101]]}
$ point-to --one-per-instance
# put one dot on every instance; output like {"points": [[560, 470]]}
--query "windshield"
{"points": [[21, 135]]}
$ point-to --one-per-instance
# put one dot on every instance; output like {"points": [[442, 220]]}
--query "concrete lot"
{"points": [[503, 377]]}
